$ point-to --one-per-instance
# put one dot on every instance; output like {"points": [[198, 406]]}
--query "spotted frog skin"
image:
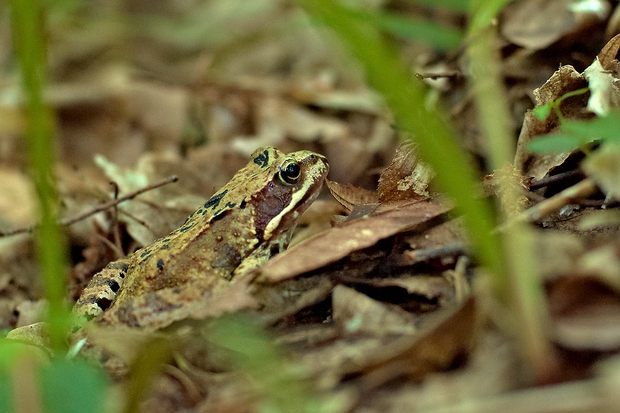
{"points": [[240, 227]]}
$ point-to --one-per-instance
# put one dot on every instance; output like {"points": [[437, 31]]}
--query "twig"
{"points": [[138, 220], [115, 229], [581, 190], [555, 179], [97, 209], [118, 251], [568, 196], [434, 76], [442, 253]]}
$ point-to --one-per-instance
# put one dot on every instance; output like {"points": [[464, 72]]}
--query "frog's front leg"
{"points": [[101, 291], [262, 254]]}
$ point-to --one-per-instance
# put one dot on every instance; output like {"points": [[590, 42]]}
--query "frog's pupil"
{"points": [[292, 170]]}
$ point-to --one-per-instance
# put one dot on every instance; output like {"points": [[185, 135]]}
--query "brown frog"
{"points": [[241, 226]]}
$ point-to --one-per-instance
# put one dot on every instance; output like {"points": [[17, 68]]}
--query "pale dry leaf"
{"points": [[18, 200], [593, 328], [600, 218], [613, 24], [536, 166], [161, 111], [359, 100], [565, 79], [604, 88], [487, 382], [536, 24], [604, 167], [278, 119], [31, 312], [161, 209], [603, 263], [329, 363]]}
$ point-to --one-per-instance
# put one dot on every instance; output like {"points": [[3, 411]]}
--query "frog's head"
{"points": [[291, 183]]}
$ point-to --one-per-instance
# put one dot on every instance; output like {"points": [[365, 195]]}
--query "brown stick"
{"points": [[97, 209]]}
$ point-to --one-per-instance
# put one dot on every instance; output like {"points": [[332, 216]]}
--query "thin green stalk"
{"points": [[405, 96], [28, 30], [525, 294]]}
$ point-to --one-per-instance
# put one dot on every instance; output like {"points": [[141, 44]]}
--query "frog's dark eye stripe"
{"points": [[289, 173]]}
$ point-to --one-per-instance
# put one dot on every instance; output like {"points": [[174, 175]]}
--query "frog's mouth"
{"points": [[286, 220], [300, 198]]}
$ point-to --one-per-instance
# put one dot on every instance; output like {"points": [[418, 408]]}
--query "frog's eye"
{"points": [[289, 173]]}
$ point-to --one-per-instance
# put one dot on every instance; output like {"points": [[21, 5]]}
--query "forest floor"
{"points": [[380, 304]]}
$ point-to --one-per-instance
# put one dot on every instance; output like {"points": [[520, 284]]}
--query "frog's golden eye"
{"points": [[289, 173]]}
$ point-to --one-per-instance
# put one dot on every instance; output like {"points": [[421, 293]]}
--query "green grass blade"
{"points": [[437, 36], [405, 96], [457, 5], [28, 30], [519, 287]]}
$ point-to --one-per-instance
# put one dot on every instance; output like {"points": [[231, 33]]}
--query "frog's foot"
{"points": [[100, 293]]}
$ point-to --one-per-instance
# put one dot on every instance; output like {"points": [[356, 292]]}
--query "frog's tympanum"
{"points": [[241, 226]]}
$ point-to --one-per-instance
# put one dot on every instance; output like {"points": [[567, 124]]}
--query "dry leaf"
{"points": [[585, 313], [536, 24], [609, 51], [446, 234], [564, 80], [349, 196], [19, 209], [604, 167], [603, 263], [30, 312], [407, 177], [34, 334], [427, 286], [603, 85], [443, 341], [557, 253], [335, 244], [356, 313]]}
